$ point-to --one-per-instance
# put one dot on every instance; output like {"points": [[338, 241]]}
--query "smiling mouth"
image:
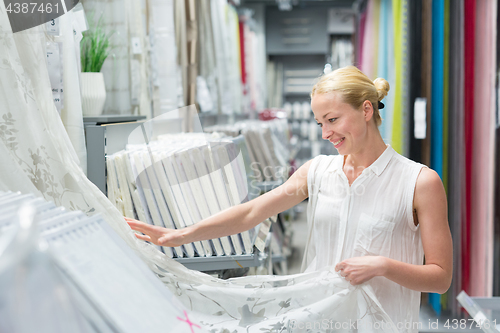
{"points": [[338, 142]]}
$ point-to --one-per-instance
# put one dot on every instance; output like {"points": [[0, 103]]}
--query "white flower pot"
{"points": [[93, 94]]}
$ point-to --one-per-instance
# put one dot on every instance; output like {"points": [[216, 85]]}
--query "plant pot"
{"points": [[93, 94]]}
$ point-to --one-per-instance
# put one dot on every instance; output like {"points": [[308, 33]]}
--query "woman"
{"points": [[372, 213]]}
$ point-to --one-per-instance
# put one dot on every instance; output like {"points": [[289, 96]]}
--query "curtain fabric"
{"points": [[385, 67], [71, 112], [166, 83], [469, 56], [456, 191], [437, 134], [398, 121], [482, 230]]}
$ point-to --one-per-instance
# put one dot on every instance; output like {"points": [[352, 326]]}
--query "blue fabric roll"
{"points": [[437, 104]]}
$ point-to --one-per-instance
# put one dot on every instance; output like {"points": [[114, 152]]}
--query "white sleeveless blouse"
{"points": [[373, 216]]}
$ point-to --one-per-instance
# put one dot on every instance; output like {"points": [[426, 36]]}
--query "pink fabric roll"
{"points": [[370, 40], [482, 229]]}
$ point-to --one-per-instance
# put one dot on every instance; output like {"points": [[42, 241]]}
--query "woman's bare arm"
{"points": [[431, 207], [232, 220]]}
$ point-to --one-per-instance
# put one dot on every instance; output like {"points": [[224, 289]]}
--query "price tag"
{"points": [[136, 45], [53, 27], [420, 118], [54, 66]]}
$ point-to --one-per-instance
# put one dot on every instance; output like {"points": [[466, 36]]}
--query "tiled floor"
{"points": [[428, 318]]}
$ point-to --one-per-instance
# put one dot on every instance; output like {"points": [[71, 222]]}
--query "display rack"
{"points": [[221, 262], [110, 134], [106, 135]]}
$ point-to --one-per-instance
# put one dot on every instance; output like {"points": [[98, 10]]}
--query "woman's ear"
{"points": [[368, 110]]}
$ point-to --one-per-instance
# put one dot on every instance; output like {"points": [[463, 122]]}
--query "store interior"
{"points": [[170, 111]]}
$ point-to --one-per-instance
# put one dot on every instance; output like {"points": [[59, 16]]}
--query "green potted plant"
{"points": [[94, 49]]}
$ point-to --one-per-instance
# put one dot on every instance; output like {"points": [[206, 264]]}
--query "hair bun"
{"points": [[382, 87]]}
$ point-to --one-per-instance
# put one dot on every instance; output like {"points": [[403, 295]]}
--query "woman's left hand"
{"points": [[358, 270]]}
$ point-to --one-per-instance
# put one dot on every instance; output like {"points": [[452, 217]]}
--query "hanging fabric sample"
{"points": [[456, 164], [139, 59], [370, 40], [222, 56], [165, 80], [399, 130], [385, 67], [71, 111], [426, 90], [469, 66], [208, 70], [482, 202], [437, 125], [415, 47]]}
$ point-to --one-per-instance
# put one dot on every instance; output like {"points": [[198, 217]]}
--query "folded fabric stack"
{"points": [[179, 180], [63, 271]]}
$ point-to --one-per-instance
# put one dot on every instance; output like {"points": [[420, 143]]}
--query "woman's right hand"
{"points": [[156, 235]]}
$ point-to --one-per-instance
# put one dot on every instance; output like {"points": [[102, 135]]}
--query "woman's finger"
{"points": [[143, 237], [142, 227]]}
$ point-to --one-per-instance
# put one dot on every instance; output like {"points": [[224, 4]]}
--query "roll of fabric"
{"points": [[370, 40], [415, 82], [456, 166], [427, 75], [437, 151], [397, 122], [482, 230], [385, 67], [469, 56]]}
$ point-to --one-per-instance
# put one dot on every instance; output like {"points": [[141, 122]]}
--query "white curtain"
{"points": [[165, 81], [71, 112], [37, 157], [116, 68]]}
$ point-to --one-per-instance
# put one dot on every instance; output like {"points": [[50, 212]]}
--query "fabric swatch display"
{"points": [[175, 188], [267, 146], [97, 275]]}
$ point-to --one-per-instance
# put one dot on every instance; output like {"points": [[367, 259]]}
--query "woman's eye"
{"points": [[320, 125], [332, 120]]}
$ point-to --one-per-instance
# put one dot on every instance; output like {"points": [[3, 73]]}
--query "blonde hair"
{"points": [[355, 88]]}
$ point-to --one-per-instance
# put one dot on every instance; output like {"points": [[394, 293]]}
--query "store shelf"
{"points": [[220, 262], [111, 119]]}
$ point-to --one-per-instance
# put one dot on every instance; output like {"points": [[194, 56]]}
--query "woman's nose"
{"points": [[325, 132]]}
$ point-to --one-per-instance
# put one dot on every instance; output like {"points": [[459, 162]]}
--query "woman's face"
{"points": [[341, 124]]}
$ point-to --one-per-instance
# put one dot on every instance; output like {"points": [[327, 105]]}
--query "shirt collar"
{"points": [[376, 167]]}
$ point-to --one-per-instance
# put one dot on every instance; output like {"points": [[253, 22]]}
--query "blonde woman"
{"points": [[372, 213]]}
